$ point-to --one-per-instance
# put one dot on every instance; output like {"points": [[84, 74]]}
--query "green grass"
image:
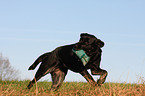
{"points": [[18, 88]]}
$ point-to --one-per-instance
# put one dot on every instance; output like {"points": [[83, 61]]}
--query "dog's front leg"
{"points": [[88, 77], [103, 74]]}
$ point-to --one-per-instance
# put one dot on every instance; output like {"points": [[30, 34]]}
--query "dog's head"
{"points": [[88, 42]]}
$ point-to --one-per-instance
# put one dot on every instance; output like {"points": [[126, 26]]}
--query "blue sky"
{"points": [[30, 28]]}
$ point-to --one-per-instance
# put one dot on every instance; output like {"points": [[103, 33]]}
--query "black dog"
{"points": [[63, 58]]}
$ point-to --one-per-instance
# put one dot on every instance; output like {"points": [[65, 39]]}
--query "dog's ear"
{"points": [[100, 43]]}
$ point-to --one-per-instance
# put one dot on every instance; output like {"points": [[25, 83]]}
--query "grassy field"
{"points": [[18, 88]]}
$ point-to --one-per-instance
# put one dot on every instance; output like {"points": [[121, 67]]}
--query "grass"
{"points": [[18, 88]]}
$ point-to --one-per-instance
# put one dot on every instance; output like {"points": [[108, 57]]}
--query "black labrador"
{"points": [[63, 58]]}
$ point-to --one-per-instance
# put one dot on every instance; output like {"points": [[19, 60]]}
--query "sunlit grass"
{"points": [[11, 88]]}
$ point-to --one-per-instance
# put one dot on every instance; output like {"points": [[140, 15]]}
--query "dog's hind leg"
{"points": [[43, 70], [58, 77], [31, 83], [36, 78], [103, 74]]}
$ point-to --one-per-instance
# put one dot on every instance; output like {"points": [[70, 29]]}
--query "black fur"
{"points": [[62, 58]]}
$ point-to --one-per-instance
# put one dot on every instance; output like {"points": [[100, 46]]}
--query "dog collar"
{"points": [[82, 55]]}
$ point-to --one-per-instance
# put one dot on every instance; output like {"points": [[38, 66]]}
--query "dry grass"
{"points": [[18, 88]]}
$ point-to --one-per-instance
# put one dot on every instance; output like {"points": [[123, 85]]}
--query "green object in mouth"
{"points": [[82, 55]]}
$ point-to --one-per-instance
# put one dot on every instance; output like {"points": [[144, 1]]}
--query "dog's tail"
{"points": [[38, 60]]}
